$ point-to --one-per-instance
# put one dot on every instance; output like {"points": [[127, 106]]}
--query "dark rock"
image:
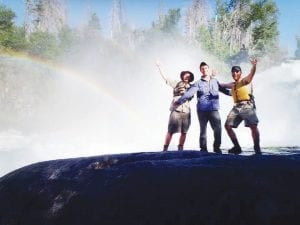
{"points": [[172, 188]]}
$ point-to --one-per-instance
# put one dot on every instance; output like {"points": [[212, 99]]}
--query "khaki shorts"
{"points": [[179, 122], [242, 111]]}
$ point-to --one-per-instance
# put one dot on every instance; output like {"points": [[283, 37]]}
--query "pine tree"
{"points": [[168, 23], [117, 19], [297, 52], [198, 15], [234, 24], [45, 16], [6, 25]]}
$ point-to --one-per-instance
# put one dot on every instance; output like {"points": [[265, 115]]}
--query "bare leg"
{"points": [[237, 148], [256, 138], [167, 141], [181, 141], [230, 132]]}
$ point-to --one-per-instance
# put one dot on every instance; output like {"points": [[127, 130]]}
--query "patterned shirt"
{"points": [[179, 88]]}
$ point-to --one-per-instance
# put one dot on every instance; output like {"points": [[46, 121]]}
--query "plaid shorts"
{"points": [[242, 111], [179, 122]]}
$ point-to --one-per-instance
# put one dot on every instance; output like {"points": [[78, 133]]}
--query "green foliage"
{"points": [[6, 25], [218, 37], [16, 40], [6, 19], [67, 38], [43, 44], [241, 15], [212, 43], [265, 32], [206, 39], [169, 23]]}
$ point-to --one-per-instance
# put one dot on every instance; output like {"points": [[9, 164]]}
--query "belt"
{"points": [[243, 102]]}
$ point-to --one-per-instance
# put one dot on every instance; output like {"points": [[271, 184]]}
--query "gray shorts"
{"points": [[179, 122], [242, 111]]}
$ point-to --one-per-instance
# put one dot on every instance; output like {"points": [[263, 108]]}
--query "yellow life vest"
{"points": [[240, 92]]}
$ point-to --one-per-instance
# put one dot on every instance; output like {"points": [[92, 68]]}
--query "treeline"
{"points": [[222, 28]]}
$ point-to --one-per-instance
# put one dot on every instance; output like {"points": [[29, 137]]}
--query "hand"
{"points": [[253, 61], [175, 104], [214, 72], [157, 63]]}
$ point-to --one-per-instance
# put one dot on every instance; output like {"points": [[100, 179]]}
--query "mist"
{"points": [[110, 99]]}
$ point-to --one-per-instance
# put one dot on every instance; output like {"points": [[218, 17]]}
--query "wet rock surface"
{"points": [[175, 188]]}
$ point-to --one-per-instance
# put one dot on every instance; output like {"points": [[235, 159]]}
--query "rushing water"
{"points": [[118, 103]]}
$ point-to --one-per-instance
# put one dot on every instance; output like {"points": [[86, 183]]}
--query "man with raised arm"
{"points": [[243, 109]]}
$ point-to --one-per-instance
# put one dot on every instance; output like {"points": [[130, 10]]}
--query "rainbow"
{"points": [[72, 74]]}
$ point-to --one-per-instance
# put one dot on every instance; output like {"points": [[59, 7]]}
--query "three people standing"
{"points": [[207, 89]]}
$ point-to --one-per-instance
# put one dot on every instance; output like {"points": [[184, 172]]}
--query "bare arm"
{"points": [[250, 76], [226, 91], [226, 85], [161, 71]]}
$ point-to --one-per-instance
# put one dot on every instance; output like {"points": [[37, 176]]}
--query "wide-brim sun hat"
{"points": [[191, 75]]}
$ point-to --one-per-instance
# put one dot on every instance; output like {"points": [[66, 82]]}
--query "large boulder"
{"points": [[172, 188]]}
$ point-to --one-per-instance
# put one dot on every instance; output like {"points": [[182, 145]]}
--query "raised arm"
{"points": [[161, 71], [250, 76], [226, 85]]}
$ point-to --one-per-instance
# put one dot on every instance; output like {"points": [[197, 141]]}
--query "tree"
{"points": [[67, 39], [44, 44], [297, 52], [16, 40], [45, 16], [233, 22], [265, 31], [197, 17], [117, 19], [169, 23], [6, 25], [93, 28], [252, 24]]}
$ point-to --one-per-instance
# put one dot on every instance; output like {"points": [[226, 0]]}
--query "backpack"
{"points": [[252, 99]]}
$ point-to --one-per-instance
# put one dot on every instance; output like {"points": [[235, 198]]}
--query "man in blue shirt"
{"points": [[207, 89]]}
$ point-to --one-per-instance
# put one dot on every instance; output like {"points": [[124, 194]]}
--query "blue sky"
{"points": [[141, 13]]}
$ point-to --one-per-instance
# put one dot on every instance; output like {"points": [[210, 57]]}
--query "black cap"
{"points": [[236, 68], [191, 75]]}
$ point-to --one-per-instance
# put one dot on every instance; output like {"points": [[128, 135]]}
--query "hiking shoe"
{"points": [[235, 150], [165, 148], [257, 150], [217, 150], [180, 147], [203, 150]]}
